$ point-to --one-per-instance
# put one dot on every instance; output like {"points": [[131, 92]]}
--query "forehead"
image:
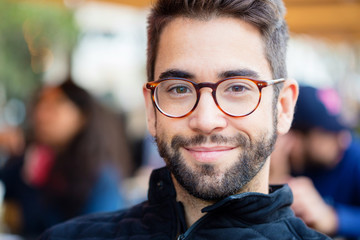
{"points": [[206, 48], [51, 94]]}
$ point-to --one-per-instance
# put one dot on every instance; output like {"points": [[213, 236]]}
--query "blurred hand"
{"points": [[309, 206], [12, 141]]}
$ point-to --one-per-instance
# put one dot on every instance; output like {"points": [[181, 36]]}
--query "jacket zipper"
{"points": [[192, 227]]}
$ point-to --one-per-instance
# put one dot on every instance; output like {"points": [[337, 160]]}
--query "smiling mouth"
{"points": [[208, 154]]}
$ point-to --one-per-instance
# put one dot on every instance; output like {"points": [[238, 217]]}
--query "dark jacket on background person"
{"points": [[242, 216]]}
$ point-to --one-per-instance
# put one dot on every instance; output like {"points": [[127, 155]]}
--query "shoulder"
{"points": [[145, 221], [97, 226], [353, 150], [298, 229], [350, 158], [152, 219], [288, 227]]}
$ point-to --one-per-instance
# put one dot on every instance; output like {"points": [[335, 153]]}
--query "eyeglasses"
{"points": [[234, 96]]}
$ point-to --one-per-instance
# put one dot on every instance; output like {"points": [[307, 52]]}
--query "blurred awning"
{"points": [[330, 19], [337, 20]]}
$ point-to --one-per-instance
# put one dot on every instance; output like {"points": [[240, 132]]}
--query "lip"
{"points": [[208, 154]]}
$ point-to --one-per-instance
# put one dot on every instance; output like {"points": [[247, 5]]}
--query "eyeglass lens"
{"points": [[236, 97]]}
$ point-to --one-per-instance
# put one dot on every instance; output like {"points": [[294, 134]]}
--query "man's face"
{"points": [[210, 154], [320, 148]]}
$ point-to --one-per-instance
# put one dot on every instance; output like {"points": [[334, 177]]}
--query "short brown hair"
{"points": [[266, 15]]}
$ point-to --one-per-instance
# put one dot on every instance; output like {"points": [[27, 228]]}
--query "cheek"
{"points": [[166, 128], [259, 122], [70, 123]]}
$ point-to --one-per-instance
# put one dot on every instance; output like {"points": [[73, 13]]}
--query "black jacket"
{"points": [[242, 216]]}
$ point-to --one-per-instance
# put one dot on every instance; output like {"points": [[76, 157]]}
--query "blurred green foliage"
{"points": [[29, 33]]}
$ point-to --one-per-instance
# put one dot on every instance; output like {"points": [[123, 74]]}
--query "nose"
{"points": [[207, 117]]}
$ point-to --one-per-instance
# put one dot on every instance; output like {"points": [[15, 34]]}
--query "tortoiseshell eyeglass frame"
{"points": [[259, 83]]}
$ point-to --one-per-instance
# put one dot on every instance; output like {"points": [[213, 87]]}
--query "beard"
{"points": [[205, 181], [315, 164]]}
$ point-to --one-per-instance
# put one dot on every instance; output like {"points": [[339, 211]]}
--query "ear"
{"points": [[150, 111], [286, 104]]}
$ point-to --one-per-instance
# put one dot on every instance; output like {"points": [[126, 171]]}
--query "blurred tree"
{"points": [[29, 34]]}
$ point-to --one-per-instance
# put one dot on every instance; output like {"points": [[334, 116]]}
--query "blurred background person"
{"points": [[320, 160], [73, 163]]}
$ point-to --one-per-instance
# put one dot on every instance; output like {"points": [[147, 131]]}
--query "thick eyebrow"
{"points": [[231, 73], [240, 72], [176, 73]]}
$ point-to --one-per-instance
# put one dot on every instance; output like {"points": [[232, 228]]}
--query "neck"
{"points": [[193, 205]]}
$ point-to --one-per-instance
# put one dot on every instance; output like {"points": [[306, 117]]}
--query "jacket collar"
{"points": [[255, 207], [250, 206], [161, 186]]}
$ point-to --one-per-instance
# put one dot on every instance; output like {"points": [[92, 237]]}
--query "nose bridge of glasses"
{"points": [[208, 88], [207, 85], [212, 86], [202, 85]]}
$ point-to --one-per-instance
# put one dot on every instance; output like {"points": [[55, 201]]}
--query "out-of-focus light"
{"points": [[73, 4], [14, 112], [41, 55]]}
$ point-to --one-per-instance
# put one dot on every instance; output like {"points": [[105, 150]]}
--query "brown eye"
{"points": [[236, 88], [181, 89]]}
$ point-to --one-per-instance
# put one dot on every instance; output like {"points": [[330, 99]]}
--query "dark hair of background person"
{"points": [[100, 141], [266, 15]]}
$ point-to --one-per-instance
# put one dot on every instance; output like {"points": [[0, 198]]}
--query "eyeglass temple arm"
{"points": [[275, 81]]}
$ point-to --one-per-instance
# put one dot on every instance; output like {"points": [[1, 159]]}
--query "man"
{"points": [[322, 167], [215, 127]]}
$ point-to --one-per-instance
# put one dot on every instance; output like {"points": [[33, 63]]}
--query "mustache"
{"points": [[181, 141]]}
